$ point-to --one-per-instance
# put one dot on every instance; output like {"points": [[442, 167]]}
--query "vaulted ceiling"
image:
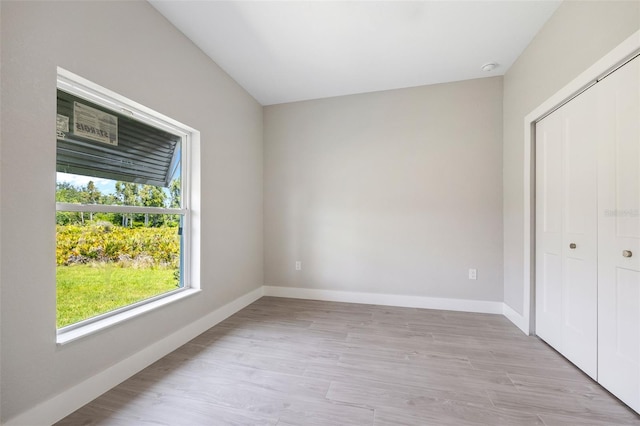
{"points": [[285, 51]]}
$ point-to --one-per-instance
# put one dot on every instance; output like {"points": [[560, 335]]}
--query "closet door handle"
{"points": [[572, 246], [627, 253]]}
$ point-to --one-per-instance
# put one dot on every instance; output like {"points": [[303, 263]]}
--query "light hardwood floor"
{"points": [[300, 362]]}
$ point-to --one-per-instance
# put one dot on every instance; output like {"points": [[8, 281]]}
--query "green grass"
{"points": [[84, 291]]}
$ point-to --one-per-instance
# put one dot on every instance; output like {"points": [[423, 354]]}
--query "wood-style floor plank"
{"points": [[293, 362]]}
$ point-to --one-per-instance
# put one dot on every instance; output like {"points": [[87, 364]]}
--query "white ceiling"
{"points": [[285, 51]]}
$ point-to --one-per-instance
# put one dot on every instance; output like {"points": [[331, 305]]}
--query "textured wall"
{"points": [[391, 192], [131, 49]]}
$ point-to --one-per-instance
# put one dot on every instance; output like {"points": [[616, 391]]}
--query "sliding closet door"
{"points": [[566, 240], [619, 229]]}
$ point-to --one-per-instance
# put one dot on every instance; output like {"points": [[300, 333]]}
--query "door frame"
{"points": [[611, 61]]}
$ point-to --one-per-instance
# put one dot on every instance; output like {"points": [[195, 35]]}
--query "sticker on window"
{"points": [[62, 125], [94, 124]]}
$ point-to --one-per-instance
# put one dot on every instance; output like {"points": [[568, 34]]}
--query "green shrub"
{"points": [[105, 242]]}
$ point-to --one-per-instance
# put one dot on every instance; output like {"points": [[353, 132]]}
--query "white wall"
{"points": [[575, 37], [395, 192], [131, 49]]}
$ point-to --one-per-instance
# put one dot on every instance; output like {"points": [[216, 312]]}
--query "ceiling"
{"points": [[286, 51]]}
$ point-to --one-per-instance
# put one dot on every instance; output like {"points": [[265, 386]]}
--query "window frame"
{"points": [[96, 94]]}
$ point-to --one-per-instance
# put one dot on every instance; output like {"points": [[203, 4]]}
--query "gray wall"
{"points": [[131, 49], [393, 192], [575, 37]]}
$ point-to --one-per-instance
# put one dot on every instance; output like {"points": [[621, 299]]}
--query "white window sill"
{"points": [[69, 336]]}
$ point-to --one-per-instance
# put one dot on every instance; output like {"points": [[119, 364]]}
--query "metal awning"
{"points": [[96, 141]]}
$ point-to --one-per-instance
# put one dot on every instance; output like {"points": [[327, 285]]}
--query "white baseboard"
{"points": [[66, 402], [516, 318], [464, 305]]}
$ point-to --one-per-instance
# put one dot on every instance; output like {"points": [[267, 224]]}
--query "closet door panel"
{"points": [[619, 234], [580, 244], [566, 231], [549, 155]]}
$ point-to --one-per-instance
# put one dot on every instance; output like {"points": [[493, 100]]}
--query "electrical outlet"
{"points": [[473, 274], [298, 265]]}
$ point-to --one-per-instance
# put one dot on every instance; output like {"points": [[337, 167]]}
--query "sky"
{"points": [[105, 186]]}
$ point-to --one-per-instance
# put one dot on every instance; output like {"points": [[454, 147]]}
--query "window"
{"points": [[123, 216]]}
